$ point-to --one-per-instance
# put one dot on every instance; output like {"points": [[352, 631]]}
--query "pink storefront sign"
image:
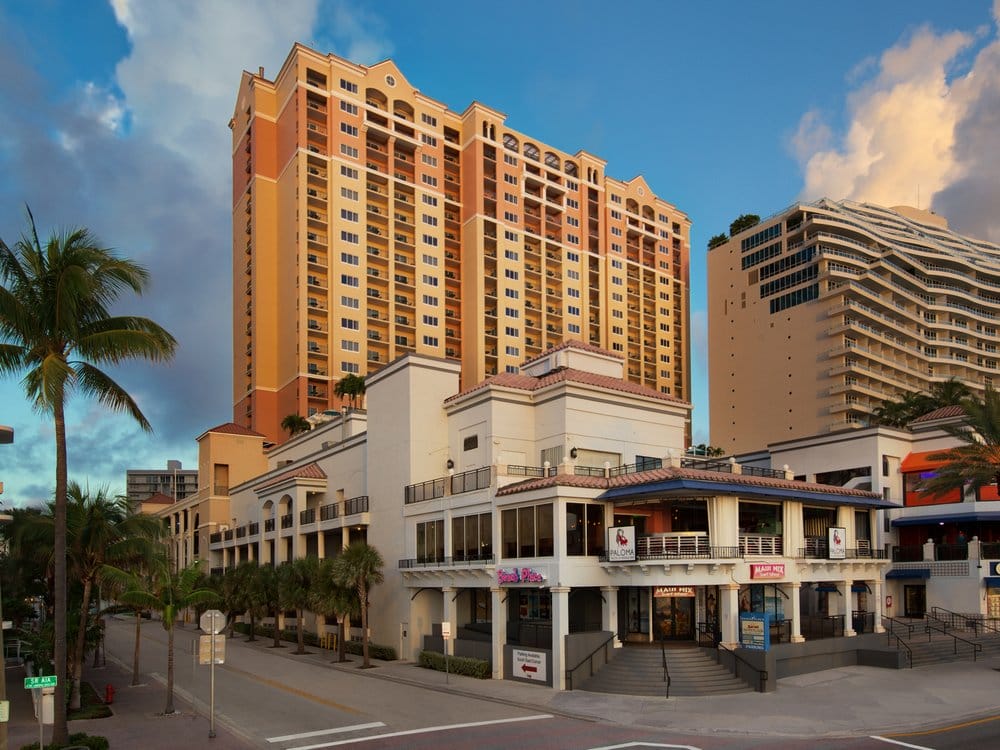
{"points": [[767, 570]]}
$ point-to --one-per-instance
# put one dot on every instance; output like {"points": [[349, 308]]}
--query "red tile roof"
{"points": [[660, 475], [309, 471], [529, 383], [583, 346], [942, 413], [159, 498], [231, 428]]}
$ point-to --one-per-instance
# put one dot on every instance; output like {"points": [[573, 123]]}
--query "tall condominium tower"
{"points": [[821, 312], [369, 221]]}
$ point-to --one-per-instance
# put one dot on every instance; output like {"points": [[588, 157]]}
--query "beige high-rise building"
{"points": [[821, 312], [369, 221]]}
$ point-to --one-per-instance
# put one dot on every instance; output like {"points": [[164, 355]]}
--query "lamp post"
{"points": [[6, 437]]}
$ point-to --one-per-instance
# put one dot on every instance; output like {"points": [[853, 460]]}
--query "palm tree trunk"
{"points": [[363, 594], [135, 652], [277, 631], [170, 670], [342, 641], [300, 627], [60, 728], [81, 641], [253, 622]]}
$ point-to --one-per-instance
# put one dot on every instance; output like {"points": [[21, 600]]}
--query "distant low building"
{"points": [[175, 482]]}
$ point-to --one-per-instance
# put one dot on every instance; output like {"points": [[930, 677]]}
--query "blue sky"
{"points": [[115, 117]]}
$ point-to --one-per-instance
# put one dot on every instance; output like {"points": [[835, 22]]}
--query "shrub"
{"points": [[385, 653], [91, 741], [469, 667]]}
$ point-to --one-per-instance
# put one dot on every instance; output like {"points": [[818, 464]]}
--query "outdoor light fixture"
{"points": [[573, 452], [450, 464]]}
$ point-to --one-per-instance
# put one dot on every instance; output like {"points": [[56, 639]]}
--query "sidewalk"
{"points": [[137, 715]]}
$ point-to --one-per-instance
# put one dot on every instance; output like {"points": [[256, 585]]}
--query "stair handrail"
{"points": [[589, 658], [905, 645], [761, 673], [976, 646], [666, 669], [893, 622]]}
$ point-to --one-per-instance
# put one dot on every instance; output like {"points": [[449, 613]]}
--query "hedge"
{"points": [[456, 664], [385, 653], [92, 741]]}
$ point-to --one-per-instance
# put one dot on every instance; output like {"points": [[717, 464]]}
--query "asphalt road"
{"points": [[272, 700]]}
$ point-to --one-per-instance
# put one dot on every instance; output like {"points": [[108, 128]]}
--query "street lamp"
{"points": [[6, 437]]}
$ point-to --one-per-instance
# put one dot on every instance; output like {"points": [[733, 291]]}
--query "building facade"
{"points": [[175, 481], [944, 549], [370, 221], [501, 509], [824, 310]]}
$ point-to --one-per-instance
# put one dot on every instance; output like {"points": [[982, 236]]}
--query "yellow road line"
{"points": [[951, 728]]}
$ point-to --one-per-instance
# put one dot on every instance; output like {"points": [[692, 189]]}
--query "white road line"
{"points": [[321, 732], [902, 744], [443, 728], [639, 743]]}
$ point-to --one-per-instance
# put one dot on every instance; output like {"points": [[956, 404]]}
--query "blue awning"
{"points": [[967, 517], [860, 588], [909, 573], [992, 582], [829, 588]]}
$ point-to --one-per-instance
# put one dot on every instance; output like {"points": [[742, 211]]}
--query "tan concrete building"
{"points": [[822, 311], [370, 221]]}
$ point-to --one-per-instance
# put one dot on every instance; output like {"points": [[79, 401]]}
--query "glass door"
{"points": [[674, 616], [914, 601], [636, 611]]}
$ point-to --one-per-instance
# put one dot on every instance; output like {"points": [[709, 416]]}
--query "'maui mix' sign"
{"points": [[767, 570]]}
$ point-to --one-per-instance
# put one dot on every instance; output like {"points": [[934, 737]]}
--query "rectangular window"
{"points": [[509, 235], [508, 159], [572, 203], [512, 312], [572, 221], [351, 367], [571, 274], [429, 180], [509, 216], [510, 254], [512, 293], [429, 259], [572, 310], [510, 179], [429, 239], [429, 220], [510, 198], [511, 331], [616, 231], [513, 351], [351, 302], [348, 86], [351, 260], [430, 161], [510, 274], [430, 140], [349, 172], [350, 346], [430, 341], [348, 215], [430, 280], [428, 119], [573, 327], [351, 195], [349, 280], [351, 238], [575, 257], [430, 320], [348, 151], [430, 300], [346, 106], [349, 129], [430, 200], [616, 199], [572, 292], [349, 324]]}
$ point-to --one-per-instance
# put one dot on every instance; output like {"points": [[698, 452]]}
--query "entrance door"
{"points": [[633, 609], [675, 618], [914, 601]]}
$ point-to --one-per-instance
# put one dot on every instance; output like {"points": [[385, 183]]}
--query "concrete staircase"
{"points": [[940, 648], [638, 670]]}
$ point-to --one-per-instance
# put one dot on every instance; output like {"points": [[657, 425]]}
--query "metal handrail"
{"points": [[761, 673], [893, 622], [666, 669], [976, 647], [904, 644], [589, 658]]}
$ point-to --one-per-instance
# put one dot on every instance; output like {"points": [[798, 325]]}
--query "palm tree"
{"points": [[270, 598], [293, 424], [977, 461], [296, 580], [56, 327], [332, 599], [169, 593], [949, 392], [360, 567], [351, 386]]}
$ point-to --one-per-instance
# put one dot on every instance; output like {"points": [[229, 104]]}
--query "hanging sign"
{"points": [[621, 544], [836, 543]]}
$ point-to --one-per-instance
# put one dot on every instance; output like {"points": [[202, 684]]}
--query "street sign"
{"points": [[529, 665], [213, 621], [42, 681], [205, 653], [446, 630], [4, 711], [8, 624]]}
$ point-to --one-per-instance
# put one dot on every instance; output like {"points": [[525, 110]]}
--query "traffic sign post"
{"points": [[42, 681], [446, 635], [47, 683], [213, 622]]}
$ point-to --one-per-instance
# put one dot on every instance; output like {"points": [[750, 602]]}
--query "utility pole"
{"points": [[6, 437]]}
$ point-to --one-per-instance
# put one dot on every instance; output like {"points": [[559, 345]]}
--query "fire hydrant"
{"points": [[109, 694]]}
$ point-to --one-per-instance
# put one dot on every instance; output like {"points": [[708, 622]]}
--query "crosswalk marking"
{"points": [[901, 744]]}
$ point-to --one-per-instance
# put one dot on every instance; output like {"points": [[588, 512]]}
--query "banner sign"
{"points": [[836, 543], [767, 570], [508, 576], [667, 592], [621, 544]]}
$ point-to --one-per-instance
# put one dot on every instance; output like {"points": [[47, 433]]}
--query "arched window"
{"points": [[571, 168], [531, 151], [551, 160], [510, 142]]}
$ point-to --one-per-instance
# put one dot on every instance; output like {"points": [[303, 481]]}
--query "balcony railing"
{"points": [[908, 553], [329, 512], [241, 532], [287, 521], [678, 544], [515, 470], [215, 537], [307, 516], [268, 525], [862, 551], [760, 544], [356, 505], [220, 489], [411, 562], [227, 535], [467, 481], [254, 528], [651, 463], [951, 551]]}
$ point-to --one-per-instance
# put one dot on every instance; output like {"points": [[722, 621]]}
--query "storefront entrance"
{"points": [[674, 616], [914, 601]]}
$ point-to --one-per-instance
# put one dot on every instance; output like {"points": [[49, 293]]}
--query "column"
{"points": [[345, 532], [320, 541], [560, 629], [499, 629], [450, 615], [609, 611], [876, 587], [250, 552], [796, 613], [729, 614], [848, 613]]}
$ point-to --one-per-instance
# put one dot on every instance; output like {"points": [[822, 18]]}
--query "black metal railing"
{"points": [[822, 626], [470, 481], [356, 505], [241, 531], [227, 535], [287, 521], [216, 572], [989, 550], [253, 528], [976, 647], [429, 490], [862, 622], [588, 471], [738, 661], [268, 524], [709, 553], [329, 512], [515, 470], [951, 551], [588, 661], [757, 471], [467, 481], [647, 465], [666, 669], [891, 624], [215, 537], [707, 634], [307, 516], [821, 552], [908, 553], [700, 463]]}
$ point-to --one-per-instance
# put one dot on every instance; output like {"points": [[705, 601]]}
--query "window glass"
{"points": [[526, 531], [509, 532], [574, 528]]}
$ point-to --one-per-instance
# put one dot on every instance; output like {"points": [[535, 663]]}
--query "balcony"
{"points": [[268, 525], [760, 544], [329, 512], [356, 505], [287, 521], [307, 516]]}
